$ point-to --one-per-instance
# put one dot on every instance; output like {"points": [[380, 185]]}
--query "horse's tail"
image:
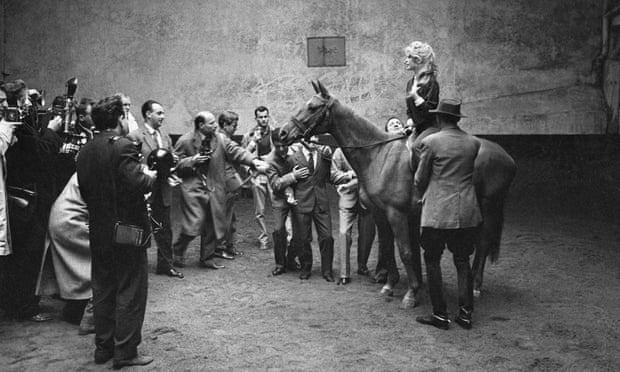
{"points": [[491, 229]]}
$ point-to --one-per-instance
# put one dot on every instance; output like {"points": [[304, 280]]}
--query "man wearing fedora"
{"points": [[450, 211]]}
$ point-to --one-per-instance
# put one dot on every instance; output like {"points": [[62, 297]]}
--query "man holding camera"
{"points": [[30, 161], [113, 181], [203, 153], [152, 139]]}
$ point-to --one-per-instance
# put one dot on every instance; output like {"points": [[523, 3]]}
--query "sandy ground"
{"points": [[550, 304]]}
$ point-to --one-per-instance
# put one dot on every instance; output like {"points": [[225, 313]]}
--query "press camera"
{"points": [[13, 115]]}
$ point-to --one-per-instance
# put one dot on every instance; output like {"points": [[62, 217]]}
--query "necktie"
{"points": [[310, 163], [156, 139]]}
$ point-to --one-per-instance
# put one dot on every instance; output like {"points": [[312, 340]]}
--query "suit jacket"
{"points": [[350, 196], [312, 190], [109, 171], [280, 175], [142, 135], [445, 179], [200, 187], [419, 114]]}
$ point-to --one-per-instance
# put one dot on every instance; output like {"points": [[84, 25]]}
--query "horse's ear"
{"points": [[316, 87], [322, 89]]}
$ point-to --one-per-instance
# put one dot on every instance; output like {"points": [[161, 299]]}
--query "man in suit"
{"points": [[203, 153], [151, 138], [258, 142], [313, 206], [228, 121], [350, 209], [113, 182], [450, 211], [282, 175]]}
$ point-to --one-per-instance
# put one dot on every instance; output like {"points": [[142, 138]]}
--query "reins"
{"points": [[326, 112]]}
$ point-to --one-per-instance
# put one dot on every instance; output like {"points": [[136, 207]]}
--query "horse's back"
{"points": [[494, 170]]}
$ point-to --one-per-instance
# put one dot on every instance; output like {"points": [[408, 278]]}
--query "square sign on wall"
{"points": [[326, 51]]}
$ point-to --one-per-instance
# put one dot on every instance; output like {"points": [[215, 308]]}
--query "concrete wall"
{"points": [[520, 66]]}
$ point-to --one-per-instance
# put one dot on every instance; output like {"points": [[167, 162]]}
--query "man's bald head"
{"points": [[204, 121]]}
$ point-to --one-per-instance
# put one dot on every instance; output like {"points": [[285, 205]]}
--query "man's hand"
{"points": [[251, 146], [300, 172], [260, 166], [350, 175], [149, 172], [290, 196], [174, 180], [199, 159], [55, 123]]}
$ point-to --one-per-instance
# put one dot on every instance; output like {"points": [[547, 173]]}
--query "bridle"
{"points": [[326, 112]]}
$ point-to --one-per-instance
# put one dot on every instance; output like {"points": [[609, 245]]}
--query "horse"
{"points": [[385, 166]]}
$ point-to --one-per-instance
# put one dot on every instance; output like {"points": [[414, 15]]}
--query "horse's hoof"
{"points": [[411, 299], [477, 293], [387, 290], [408, 303]]}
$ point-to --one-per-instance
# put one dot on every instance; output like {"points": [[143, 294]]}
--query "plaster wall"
{"points": [[520, 66]]}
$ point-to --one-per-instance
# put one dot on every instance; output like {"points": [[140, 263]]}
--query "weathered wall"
{"points": [[521, 66]]}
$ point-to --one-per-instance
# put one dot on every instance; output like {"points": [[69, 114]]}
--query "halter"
{"points": [[326, 110]]}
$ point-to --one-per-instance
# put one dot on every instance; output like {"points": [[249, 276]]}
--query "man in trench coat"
{"points": [[203, 153]]}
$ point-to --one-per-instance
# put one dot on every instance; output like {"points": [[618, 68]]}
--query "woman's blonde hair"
{"points": [[425, 53]]}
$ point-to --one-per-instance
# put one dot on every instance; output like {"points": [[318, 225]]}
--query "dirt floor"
{"points": [[549, 304]]}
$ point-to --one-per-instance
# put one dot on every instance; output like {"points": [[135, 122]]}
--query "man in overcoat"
{"points": [[450, 211], [113, 182], [203, 153]]}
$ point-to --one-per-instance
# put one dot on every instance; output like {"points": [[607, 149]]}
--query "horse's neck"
{"points": [[354, 134]]}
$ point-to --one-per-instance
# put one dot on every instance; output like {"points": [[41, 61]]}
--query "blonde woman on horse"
{"points": [[422, 89]]}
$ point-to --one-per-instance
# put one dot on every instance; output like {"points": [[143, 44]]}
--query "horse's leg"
{"points": [[386, 253], [489, 239], [409, 255]]}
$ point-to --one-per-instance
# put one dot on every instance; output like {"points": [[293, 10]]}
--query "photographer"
{"points": [[29, 166], [113, 181], [6, 139], [204, 153]]}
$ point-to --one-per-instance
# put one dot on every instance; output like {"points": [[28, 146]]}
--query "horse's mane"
{"points": [[353, 130]]}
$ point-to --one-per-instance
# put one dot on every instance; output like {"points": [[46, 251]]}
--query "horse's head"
{"points": [[313, 118]]}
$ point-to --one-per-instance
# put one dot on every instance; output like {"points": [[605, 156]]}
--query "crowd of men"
{"points": [[110, 195]]}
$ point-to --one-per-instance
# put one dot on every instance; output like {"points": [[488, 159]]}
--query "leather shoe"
{"points": [[463, 320], [171, 272], [102, 356], [438, 321], [38, 318], [305, 275], [329, 276], [211, 265], [363, 271], [223, 254], [234, 252], [278, 271], [344, 281], [138, 360]]}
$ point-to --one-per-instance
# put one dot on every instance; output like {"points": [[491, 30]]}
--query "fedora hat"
{"points": [[450, 107]]}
